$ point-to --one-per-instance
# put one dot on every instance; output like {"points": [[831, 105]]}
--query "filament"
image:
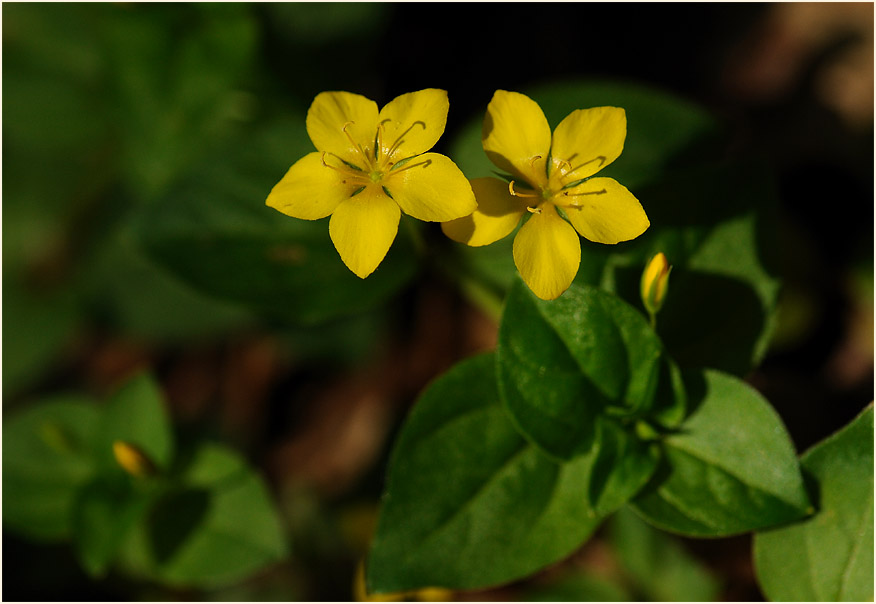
{"points": [[400, 139], [406, 166], [352, 142]]}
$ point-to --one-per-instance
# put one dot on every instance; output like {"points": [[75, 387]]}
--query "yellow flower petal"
{"points": [[363, 229], [331, 112], [413, 122], [309, 190], [497, 215], [589, 139], [607, 212], [430, 187], [547, 252], [515, 132]]}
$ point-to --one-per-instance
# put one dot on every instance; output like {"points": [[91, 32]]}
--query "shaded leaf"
{"points": [[36, 328], [215, 232], [48, 454], [659, 566], [216, 528], [103, 512]]}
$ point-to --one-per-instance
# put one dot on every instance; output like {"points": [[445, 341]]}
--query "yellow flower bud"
{"points": [[133, 460], [655, 281]]}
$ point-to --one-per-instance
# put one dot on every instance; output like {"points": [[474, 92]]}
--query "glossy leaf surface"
{"points": [[730, 468], [562, 363], [469, 502]]}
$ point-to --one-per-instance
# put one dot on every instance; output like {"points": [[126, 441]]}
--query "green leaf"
{"points": [[216, 233], [215, 528], [136, 414], [134, 294], [468, 502], [48, 453], [174, 94], [622, 466], [562, 363], [828, 557], [658, 565], [731, 468], [103, 513]]}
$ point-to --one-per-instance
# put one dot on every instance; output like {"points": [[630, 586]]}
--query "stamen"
{"points": [[342, 160], [533, 160], [535, 210], [561, 163], [575, 204], [322, 159], [400, 139], [377, 141], [425, 163], [516, 194], [600, 158], [350, 138], [599, 192]]}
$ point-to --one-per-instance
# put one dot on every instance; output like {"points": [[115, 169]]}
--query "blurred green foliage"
{"points": [[139, 143], [180, 527]]}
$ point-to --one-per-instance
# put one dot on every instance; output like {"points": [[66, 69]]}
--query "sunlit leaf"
{"points": [[731, 467], [469, 503], [563, 362]]}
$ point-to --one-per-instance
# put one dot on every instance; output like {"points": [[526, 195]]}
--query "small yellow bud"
{"points": [[133, 460], [655, 281]]}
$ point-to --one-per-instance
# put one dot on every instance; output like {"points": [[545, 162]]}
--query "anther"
{"points": [[516, 194], [533, 210], [561, 163]]}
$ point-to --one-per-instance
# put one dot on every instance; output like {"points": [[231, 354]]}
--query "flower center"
{"points": [[559, 186], [373, 166]]}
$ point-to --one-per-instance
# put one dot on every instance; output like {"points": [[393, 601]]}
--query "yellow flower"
{"points": [[654, 283], [552, 181], [370, 166]]}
